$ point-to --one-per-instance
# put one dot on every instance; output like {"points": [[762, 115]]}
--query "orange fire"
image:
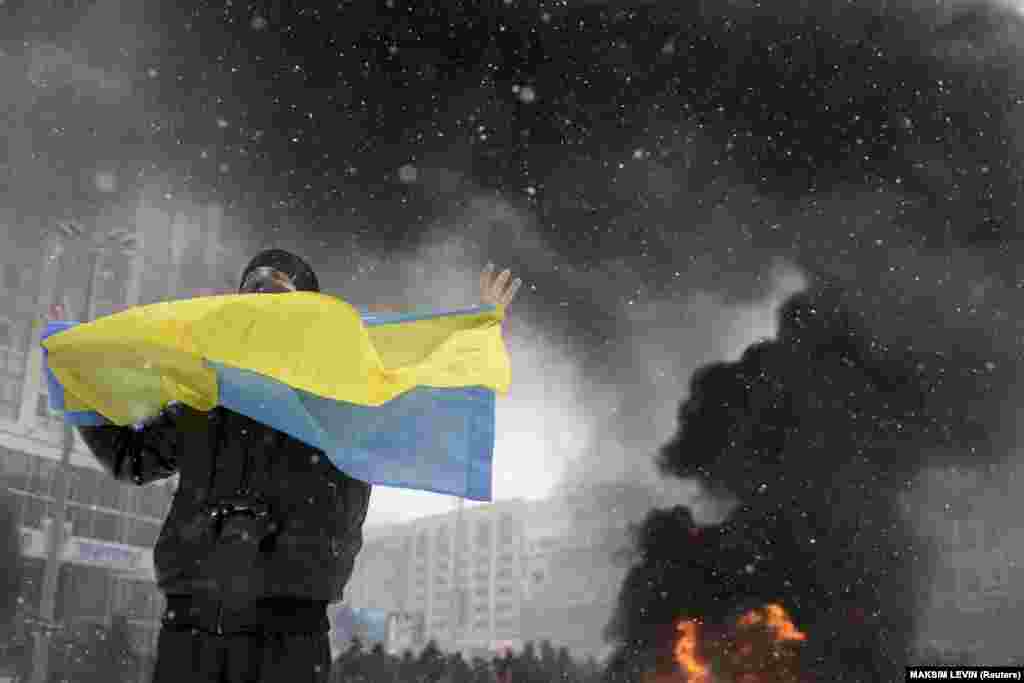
{"points": [[774, 617], [740, 657], [686, 652]]}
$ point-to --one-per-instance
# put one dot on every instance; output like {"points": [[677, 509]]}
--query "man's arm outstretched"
{"points": [[137, 456]]}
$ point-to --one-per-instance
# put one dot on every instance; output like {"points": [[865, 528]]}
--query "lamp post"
{"points": [[47, 602]]}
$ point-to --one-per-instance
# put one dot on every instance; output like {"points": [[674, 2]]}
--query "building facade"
{"points": [[107, 565], [495, 576], [454, 578]]}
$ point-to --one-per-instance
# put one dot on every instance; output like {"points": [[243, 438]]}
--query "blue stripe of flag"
{"points": [[428, 439]]}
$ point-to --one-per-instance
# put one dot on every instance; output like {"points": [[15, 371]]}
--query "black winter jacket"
{"points": [[256, 514]]}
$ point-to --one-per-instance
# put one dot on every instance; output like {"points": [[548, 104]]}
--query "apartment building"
{"points": [[458, 576], [495, 576], [107, 565]]}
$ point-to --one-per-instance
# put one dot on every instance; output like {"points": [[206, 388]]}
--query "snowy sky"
{"points": [[661, 178]]}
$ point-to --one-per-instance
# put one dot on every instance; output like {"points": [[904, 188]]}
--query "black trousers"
{"points": [[272, 640]]}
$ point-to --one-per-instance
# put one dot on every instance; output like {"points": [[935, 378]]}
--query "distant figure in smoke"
{"points": [[263, 531]]}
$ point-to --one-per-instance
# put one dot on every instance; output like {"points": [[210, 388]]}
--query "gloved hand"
{"points": [[166, 417]]}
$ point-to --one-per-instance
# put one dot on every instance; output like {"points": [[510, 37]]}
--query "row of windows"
{"points": [[972, 580], [37, 475], [509, 528], [14, 276], [9, 338], [479, 578], [482, 568], [11, 367], [973, 534], [8, 410], [480, 561], [90, 523], [506, 625], [505, 607], [443, 547], [92, 593], [109, 286]]}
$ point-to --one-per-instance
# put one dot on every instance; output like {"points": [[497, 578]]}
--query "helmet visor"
{"points": [[267, 280]]}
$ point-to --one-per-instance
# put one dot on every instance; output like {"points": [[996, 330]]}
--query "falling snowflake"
{"points": [[258, 23], [152, 73], [408, 173], [106, 182], [222, 123], [526, 93]]}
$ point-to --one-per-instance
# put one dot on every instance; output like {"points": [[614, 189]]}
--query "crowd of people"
{"points": [[94, 653], [532, 664]]}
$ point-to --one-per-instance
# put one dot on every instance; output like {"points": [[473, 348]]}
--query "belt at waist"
{"points": [[266, 615]]}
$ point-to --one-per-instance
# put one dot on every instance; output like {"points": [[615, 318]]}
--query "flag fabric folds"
{"points": [[402, 400]]}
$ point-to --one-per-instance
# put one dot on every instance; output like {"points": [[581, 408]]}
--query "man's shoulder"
{"points": [[229, 421]]}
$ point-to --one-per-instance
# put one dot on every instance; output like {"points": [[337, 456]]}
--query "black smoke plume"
{"points": [[819, 437]]}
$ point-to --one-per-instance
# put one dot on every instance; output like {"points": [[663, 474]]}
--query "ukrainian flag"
{"points": [[402, 400]]}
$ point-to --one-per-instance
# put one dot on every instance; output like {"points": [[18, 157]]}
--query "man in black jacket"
{"points": [[263, 530]]}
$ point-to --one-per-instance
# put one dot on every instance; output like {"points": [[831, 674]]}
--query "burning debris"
{"points": [[817, 436], [759, 648], [775, 619], [685, 651]]}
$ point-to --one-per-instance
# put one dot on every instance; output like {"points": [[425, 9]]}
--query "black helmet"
{"points": [[302, 276]]}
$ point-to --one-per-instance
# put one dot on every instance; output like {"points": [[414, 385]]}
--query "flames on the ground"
{"points": [[686, 651], [775, 618], [759, 648]]}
